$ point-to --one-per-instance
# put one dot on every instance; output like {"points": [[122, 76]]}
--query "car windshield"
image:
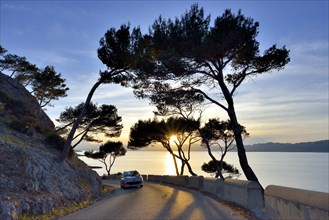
{"points": [[131, 173]]}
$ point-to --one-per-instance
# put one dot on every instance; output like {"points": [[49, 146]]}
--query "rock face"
{"points": [[14, 92], [32, 182]]}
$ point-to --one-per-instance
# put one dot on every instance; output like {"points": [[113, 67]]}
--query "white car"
{"points": [[131, 179]]}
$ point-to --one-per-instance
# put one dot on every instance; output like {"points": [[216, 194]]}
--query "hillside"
{"points": [[317, 146], [32, 182]]}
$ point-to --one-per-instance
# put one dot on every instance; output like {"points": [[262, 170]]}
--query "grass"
{"points": [[57, 212], [65, 210], [11, 139], [107, 189]]}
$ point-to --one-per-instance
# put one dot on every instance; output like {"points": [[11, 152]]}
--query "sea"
{"points": [[308, 171]]}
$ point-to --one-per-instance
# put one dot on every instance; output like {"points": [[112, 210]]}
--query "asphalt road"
{"points": [[156, 201]]}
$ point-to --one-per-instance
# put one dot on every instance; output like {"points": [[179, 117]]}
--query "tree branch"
{"points": [[210, 99]]}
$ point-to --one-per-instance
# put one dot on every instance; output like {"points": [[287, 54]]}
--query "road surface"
{"points": [[156, 201]]}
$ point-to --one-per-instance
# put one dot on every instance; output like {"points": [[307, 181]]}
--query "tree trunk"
{"points": [[68, 141], [111, 162], [241, 150], [220, 163], [213, 158], [108, 169], [182, 168], [249, 173], [219, 169], [175, 162], [190, 168]]}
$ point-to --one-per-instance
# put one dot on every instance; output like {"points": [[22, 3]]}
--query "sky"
{"points": [[286, 106]]}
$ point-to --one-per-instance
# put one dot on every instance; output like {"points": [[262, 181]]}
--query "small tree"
{"points": [[144, 133], [98, 120], [110, 150], [48, 85], [185, 133], [188, 105], [45, 84], [17, 67], [219, 136], [2, 51], [212, 168]]}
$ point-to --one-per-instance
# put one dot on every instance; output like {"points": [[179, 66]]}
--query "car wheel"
{"points": [[141, 186]]}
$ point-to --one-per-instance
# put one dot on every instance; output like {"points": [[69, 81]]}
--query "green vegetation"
{"points": [[144, 133], [48, 85], [57, 212], [44, 84], [2, 108], [28, 149], [227, 169], [190, 55], [219, 135], [4, 97], [110, 150], [11, 139], [17, 116], [101, 119], [119, 56], [55, 140]]}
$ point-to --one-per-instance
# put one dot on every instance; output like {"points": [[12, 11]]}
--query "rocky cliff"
{"points": [[32, 182], [19, 103]]}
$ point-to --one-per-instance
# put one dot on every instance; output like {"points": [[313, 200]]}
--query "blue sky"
{"points": [[286, 106]]}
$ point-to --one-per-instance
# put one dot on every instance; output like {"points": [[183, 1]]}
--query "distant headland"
{"points": [[321, 146], [316, 147]]}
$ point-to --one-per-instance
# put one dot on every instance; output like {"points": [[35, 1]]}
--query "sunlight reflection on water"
{"points": [[298, 170]]}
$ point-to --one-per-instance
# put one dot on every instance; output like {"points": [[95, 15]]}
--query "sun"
{"points": [[173, 139]]}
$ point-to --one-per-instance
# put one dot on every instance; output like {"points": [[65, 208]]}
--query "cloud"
{"points": [[291, 105], [309, 57], [18, 33], [56, 30], [56, 59], [88, 53], [6, 5]]}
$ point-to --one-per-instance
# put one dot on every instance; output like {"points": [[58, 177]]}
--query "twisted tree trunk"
{"points": [[67, 145]]}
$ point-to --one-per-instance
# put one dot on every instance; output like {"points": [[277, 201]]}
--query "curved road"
{"points": [[156, 201]]}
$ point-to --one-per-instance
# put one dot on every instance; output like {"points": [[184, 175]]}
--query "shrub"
{"points": [[25, 125], [4, 97], [17, 125], [2, 108], [56, 141]]}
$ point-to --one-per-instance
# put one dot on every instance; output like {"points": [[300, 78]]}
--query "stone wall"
{"points": [[290, 203], [244, 193], [279, 202]]}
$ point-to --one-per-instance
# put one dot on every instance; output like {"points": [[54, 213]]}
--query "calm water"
{"points": [[299, 170]]}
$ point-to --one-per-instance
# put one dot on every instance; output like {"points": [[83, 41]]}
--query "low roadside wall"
{"points": [[111, 177], [290, 203], [213, 186], [196, 182], [244, 193], [176, 180], [279, 202]]}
